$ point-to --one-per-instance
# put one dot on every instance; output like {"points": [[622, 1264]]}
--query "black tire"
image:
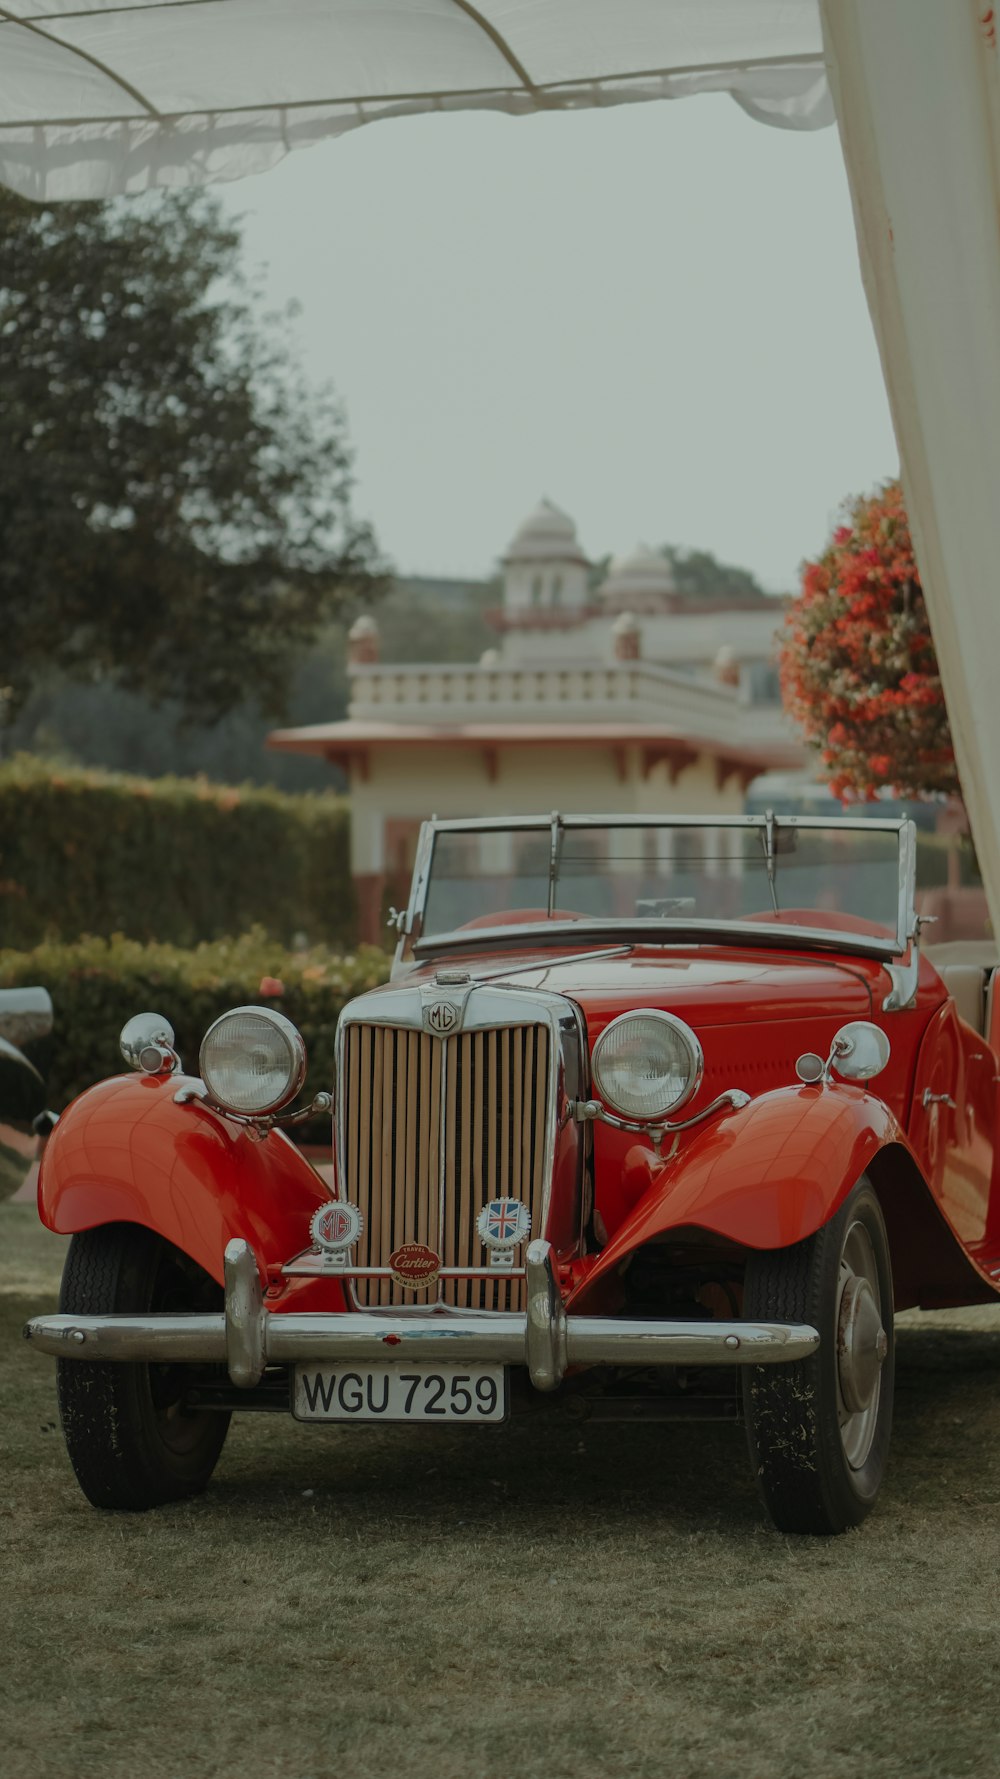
{"points": [[818, 1462], [131, 1442]]}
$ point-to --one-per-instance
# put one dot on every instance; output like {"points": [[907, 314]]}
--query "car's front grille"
{"points": [[431, 1129]]}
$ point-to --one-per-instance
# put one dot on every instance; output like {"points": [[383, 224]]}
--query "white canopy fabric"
{"points": [[101, 97], [917, 89]]}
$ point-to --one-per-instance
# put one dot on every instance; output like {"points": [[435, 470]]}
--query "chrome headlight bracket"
{"points": [[257, 1126], [733, 1100]]}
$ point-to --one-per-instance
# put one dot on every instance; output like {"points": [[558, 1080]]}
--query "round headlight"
{"points": [[252, 1060], [647, 1064]]}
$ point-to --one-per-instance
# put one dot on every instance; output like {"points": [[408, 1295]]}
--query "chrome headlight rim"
{"points": [[296, 1053], [691, 1043]]}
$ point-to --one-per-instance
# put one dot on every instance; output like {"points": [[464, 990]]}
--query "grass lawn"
{"points": [[532, 1602]]}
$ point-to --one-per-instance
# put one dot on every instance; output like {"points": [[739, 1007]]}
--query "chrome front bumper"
{"points": [[246, 1337]]}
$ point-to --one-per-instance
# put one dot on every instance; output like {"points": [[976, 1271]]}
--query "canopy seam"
{"points": [[498, 42], [371, 100]]}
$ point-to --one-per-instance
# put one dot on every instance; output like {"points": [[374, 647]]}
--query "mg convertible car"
{"points": [[655, 1118]]}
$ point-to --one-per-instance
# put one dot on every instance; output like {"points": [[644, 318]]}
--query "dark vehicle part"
{"points": [[819, 1428], [132, 1439]]}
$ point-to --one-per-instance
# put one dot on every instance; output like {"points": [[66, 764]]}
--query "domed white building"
{"points": [[602, 693], [544, 566], [642, 581]]}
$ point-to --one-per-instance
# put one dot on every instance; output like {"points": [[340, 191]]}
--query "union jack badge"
{"points": [[334, 1228], [503, 1223]]}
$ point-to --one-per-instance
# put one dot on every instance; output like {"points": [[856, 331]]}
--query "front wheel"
{"points": [[819, 1429], [131, 1439]]}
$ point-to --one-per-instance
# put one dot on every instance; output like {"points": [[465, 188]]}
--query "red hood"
{"points": [[707, 987]]}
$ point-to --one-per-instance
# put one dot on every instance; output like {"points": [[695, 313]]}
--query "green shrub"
{"points": [[171, 859], [97, 984]]}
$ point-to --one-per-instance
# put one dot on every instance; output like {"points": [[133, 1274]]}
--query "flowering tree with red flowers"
{"points": [[858, 667]]}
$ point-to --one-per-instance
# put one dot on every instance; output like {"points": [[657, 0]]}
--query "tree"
{"points": [[99, 724], [700, 575], [174, 505], [697, 574], [858, 667]]}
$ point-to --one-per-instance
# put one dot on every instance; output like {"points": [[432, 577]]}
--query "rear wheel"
{"points": [[819, 1429], [131, 1441]]}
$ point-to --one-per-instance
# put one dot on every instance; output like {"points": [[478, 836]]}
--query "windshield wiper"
{"points": [[555, 844], [770, 856]]}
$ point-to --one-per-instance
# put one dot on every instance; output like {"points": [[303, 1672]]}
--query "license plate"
{"points": [[470, 1394]]}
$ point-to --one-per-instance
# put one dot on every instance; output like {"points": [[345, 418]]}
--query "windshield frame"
{"points": [[663, 929]]}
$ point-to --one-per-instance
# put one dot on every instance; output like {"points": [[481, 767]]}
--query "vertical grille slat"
{"points": [[383, 1204], [486, 1134], [362, 1055], [474, 1190], [369, 1189], [516, 1117], [541, 1092], [426, 1152], [401, 1222], [528, 1076], [503, 1111], [484, 1095], [412, 1129]]}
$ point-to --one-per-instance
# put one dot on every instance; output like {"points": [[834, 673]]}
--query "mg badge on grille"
{"points": [[415, 1266], [334, 1228], [503, 1224], [442, 1016]]}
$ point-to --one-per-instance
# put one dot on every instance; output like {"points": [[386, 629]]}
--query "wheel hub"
{"points": [[862, 1344]]}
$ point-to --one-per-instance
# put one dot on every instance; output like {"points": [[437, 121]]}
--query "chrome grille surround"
{"points": [[416, 1114]]}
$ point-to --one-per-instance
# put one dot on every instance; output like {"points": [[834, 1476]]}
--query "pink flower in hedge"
{"points": [[271, 987]]}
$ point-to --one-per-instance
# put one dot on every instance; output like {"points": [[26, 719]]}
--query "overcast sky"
{"points": [[652, 314]]}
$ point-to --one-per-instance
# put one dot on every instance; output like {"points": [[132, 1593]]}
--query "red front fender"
{"points": [[126, 1152], [764, 1177]]}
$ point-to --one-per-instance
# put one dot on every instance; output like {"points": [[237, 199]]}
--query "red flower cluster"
{"points": [[858, 668]]}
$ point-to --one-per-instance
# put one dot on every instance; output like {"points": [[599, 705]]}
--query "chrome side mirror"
{"points": [[859, 1051], [147, 1044]]}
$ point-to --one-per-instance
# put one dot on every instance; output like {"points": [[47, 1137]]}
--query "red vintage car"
{"points": [[656, 1117]]}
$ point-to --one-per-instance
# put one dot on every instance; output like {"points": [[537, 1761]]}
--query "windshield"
{"points": [[842, 879]]}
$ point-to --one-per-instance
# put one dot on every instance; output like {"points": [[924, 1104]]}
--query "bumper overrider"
{"points": [[246, 1337]]}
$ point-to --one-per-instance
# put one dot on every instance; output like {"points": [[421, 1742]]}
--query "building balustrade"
{"points": [[387, 684], [632, 692]]}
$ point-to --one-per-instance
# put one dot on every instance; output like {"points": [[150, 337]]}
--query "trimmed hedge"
{"points": [[172, 859], [97, 984]]}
